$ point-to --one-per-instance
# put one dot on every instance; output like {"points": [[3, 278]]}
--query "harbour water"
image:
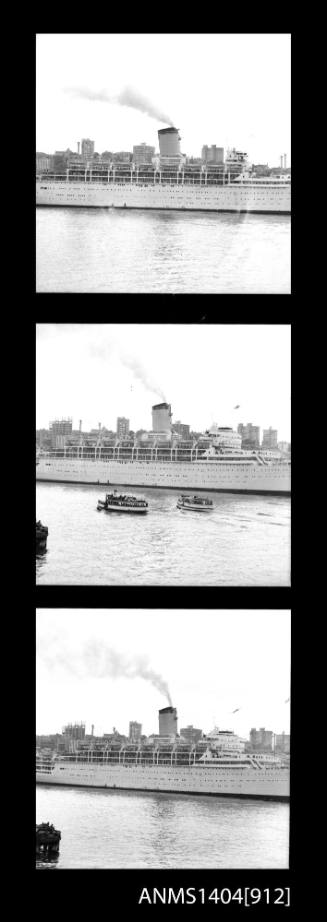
{"points": [[245, 541], [118, 829], [110, 250]]}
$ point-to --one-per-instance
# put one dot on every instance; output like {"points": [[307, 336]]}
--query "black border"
{"points": [[121, 889]]}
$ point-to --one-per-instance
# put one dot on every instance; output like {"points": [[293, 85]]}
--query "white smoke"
{"points": [[105, 352], [142, 375], [127, 97], [99, 661]]}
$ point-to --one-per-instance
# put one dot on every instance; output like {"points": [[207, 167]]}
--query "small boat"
{"points": [[47, 838], [41, 536], [195, 503], [122, 502]]}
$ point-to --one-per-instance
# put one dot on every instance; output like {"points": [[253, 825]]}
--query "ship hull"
{"points": [[258, 783], [198, 475], [234, 198]]}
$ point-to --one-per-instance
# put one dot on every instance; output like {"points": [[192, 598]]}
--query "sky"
{"points": [[97, 372], [214, 662], [232, 90]]}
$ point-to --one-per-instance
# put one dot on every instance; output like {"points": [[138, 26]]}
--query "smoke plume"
{"points": [[105, 352], [127, 97], [142, 375], [99, 661]]}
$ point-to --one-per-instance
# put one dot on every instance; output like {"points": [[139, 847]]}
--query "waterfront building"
{"points": [[261, 740], [44, 162], [191, 734], [212, 154], [142, 153], [182, 429], [269, 439], [60, 430], [250, 435], [135, 731], [122, 427], [282, 743], [87, 149], [74, 731]]}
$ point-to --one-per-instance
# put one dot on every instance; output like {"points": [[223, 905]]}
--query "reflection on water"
{"points": [[111, 829], [236, 544], [109, 250]]}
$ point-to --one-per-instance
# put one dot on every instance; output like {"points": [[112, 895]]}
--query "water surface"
{"points": [[111, 829], [244, 541], [112, 250]]}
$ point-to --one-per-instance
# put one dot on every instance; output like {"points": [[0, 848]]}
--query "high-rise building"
{"points": [[269, 439], [87, 149], [74, 731], [261, 740], [182, 429], [142, 153], [161, 417], [191, 734], [168, 722], [60, 430], [282, 743], [212, 154], [44, 162], [250, 435], [122, 427], [135, 731]]}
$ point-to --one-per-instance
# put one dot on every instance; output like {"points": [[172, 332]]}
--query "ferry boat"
{"points": [[181, 190], [195, 503], [216, 765], [122, 502], [213, 462]]}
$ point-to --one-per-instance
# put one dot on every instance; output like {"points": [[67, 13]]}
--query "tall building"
{"points": [[142, 153], [87, 149], [269, 439], [60, 430], [161, 417], [122, 427], [44, 162], [250, 435], [135, 731], [212, 154], [61, 160], [261, 740], [182, 429], [74, 731], [191, 734], [282, 743], [168, 722]]}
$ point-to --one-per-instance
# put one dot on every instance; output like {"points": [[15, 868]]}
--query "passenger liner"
{"points": [[181, 191], [215, 765], [214, 462]]}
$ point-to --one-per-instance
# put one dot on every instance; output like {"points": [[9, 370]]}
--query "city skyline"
{"points": [[208, 373], [79, 101], [213, 663]]}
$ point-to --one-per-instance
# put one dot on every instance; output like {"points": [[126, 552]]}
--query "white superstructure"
{"points": [[215, 765], [180, 191], [213, 462]]}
